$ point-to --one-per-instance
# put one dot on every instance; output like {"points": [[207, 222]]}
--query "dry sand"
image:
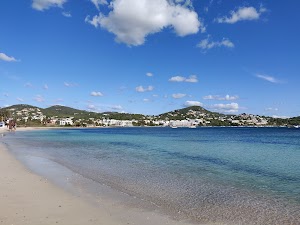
{"points": [[26, 198]]}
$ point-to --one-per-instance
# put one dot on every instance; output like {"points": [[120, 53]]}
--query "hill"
{"points": [[191, 112], [26, 114], [62, 111], [20, 107]]}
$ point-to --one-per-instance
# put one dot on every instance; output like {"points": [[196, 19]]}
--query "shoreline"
{"points": [[29, 198]]}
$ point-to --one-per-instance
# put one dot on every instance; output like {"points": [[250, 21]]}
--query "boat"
{"points": [[296, 126], [192, 126], [173, 127]]}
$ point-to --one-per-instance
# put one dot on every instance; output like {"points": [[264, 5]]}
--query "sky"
{"points": [[152, 56]]}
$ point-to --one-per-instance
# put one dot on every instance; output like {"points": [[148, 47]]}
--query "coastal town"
{"points": [[26, 115]]}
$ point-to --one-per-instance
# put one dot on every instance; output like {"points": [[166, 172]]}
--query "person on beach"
{"points": [[14, 125], [10, 125]]}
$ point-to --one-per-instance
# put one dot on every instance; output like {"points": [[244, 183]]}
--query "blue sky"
{"points": [[151, 56]]}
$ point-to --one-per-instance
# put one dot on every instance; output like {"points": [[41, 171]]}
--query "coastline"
{"points": [[28, 198]]}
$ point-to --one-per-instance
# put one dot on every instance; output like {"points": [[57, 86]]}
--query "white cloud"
{"points": [[66, 14], [146, 100], [67, 84], [132, 21], [144, 89], [116, 107], [39, 98], [271, 109], [45, 87], [149, 74], [177, 79], [97, 3], [280, 117], [228, 108], [96, 93], [190, 79], [7, 58], [206, 44], [20, 99], [192, 103], [218, 97], [209, 97], [268, 78], [243, 13], [41, 5], [179, 95], [92, 107]]}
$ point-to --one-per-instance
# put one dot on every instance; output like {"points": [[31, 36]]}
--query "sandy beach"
{"points": [[26, 198]]}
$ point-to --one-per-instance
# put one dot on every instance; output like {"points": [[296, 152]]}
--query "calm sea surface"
{"points": [[221, 175]]}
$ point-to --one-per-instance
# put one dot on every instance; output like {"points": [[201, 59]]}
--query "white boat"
{"points": [[297, 126], [192, 126], [173, 127]]}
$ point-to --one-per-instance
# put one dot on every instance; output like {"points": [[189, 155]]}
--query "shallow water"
{"points": [[221, 175]]}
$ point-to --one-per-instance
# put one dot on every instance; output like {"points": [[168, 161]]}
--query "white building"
{"points": [[66, 121]]}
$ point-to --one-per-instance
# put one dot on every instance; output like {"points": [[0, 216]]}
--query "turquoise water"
{"points": [[222, 175]]}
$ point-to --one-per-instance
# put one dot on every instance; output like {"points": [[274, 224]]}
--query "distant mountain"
{"points": [[62, 111]]}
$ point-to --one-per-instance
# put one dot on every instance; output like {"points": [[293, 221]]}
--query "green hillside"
{"points": [[62, 111]]}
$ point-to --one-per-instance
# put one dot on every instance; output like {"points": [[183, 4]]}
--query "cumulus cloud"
{"points": [[132, 21], [96, 93], [41, 5], [190, 79], [243, 13], [39, 98], [227, 108], [206, 44], [149, 74], [192, 103], [268, 78], [177, 79], [218, 97], [179, 95], [45, 87], [144, 89], [7, 58]]}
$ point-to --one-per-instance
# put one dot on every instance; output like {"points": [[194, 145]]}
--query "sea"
{"points": [[217, 175]]}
